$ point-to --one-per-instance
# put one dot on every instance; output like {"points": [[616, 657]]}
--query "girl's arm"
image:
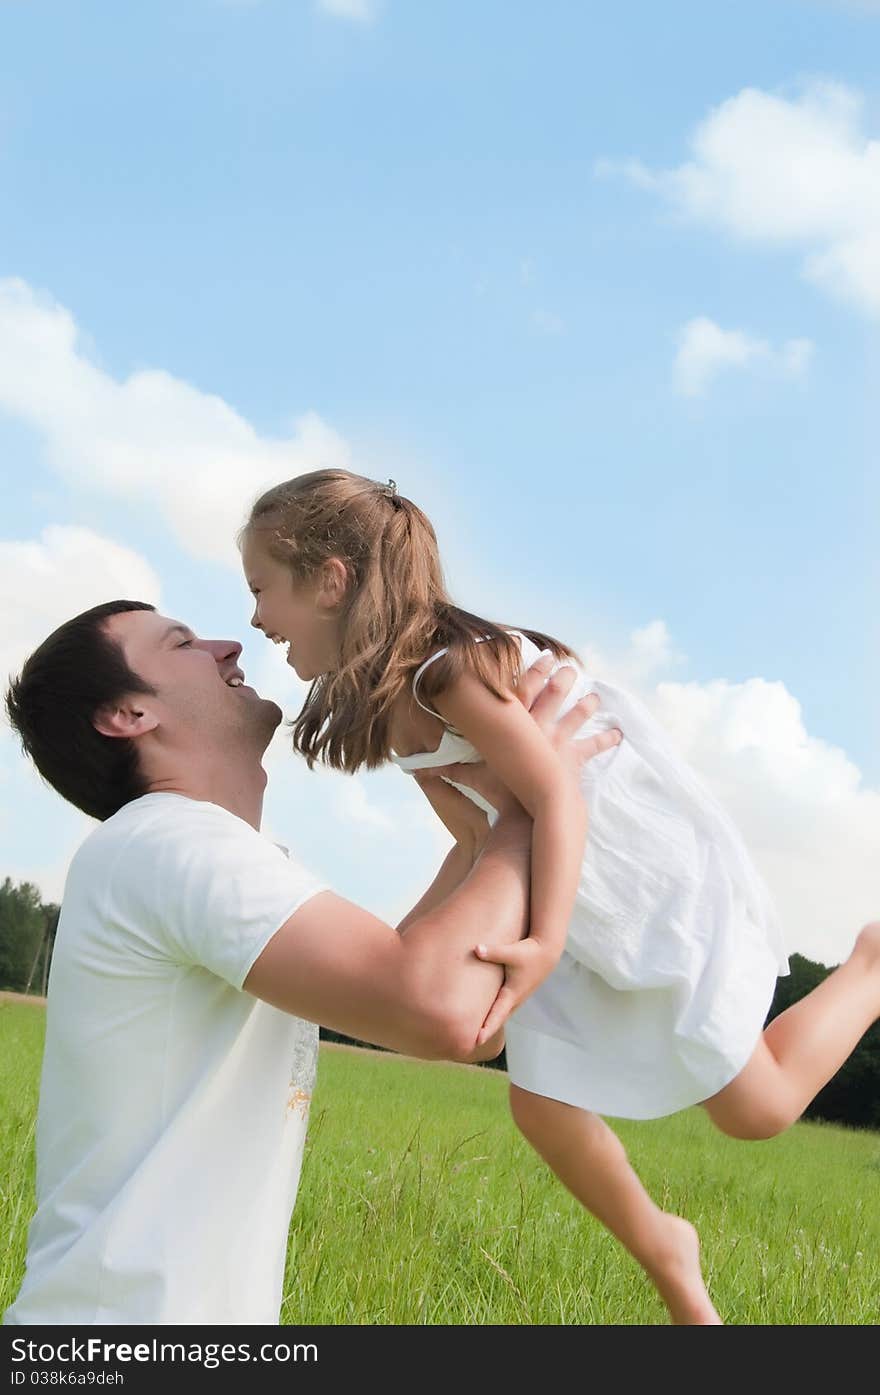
{"points": [[468, 826], [520, 755]]}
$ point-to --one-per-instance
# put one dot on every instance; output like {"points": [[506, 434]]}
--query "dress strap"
{"points": [[480, 639], [415, 683]]}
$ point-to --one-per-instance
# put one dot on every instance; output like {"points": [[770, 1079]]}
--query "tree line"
{"points": [[27, 935]]}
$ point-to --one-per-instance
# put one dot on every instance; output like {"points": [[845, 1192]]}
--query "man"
{"points": [[192, 962]]}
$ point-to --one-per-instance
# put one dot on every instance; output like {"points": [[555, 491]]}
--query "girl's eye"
{"points": [[184, 643]]}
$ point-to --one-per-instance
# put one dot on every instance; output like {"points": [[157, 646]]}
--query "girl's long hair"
{"points": [[396, 613]]}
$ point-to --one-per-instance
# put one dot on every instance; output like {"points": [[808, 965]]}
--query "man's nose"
{"points": [[223, 649]]}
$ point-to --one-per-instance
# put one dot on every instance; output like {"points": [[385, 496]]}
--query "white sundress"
{"points": [[673, 947]]}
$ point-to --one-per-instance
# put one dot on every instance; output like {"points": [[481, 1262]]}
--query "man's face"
{"points": [[200, 689]]}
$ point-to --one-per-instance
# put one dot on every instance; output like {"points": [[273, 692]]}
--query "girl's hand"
{"points": [[526, 965]]}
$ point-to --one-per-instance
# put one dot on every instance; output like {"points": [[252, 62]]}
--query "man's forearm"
{"points": [[491, 903]]}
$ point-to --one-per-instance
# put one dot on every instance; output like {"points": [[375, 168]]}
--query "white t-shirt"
{"points": [[173, 1106]]}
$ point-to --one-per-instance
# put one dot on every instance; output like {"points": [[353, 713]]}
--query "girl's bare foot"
{"points": [[679, 1278]]}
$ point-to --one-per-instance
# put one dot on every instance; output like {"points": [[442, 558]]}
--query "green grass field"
{"points": [[419, 1203]]}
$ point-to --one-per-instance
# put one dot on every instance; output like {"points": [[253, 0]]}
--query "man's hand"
{"points": [[542, 697]]}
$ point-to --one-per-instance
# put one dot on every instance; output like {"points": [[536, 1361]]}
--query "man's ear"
{"points": [[128, 718]]}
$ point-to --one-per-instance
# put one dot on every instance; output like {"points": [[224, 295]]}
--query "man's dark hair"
{"points": [[51, 704]]}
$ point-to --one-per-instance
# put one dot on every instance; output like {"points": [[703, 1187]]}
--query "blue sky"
{"points": [[598, 286]]}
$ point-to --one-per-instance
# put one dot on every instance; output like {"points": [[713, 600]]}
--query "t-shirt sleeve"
{"points": [[215, 890]]}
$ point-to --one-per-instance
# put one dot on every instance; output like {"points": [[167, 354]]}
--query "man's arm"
{"points": [[425, 992]]}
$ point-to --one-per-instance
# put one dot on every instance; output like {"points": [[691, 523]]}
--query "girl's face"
{"points": [[301, 613]]}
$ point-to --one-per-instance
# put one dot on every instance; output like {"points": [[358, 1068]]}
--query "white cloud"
{"points": [[811, 825], [362, 10], [49, 877], [705, 350], [42, 584], [45, 582], [355, 806], [650, 649], [801, 173], [152, 439]]}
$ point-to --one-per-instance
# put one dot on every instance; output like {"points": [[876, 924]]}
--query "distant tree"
{"points": [[23, 924], [327, 1034]]}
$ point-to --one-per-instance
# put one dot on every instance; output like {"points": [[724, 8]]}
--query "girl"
{"points": [[653, 951]]}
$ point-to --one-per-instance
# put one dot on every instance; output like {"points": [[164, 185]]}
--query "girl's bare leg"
{"points": [[803, 1047], [591, 1162]]}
